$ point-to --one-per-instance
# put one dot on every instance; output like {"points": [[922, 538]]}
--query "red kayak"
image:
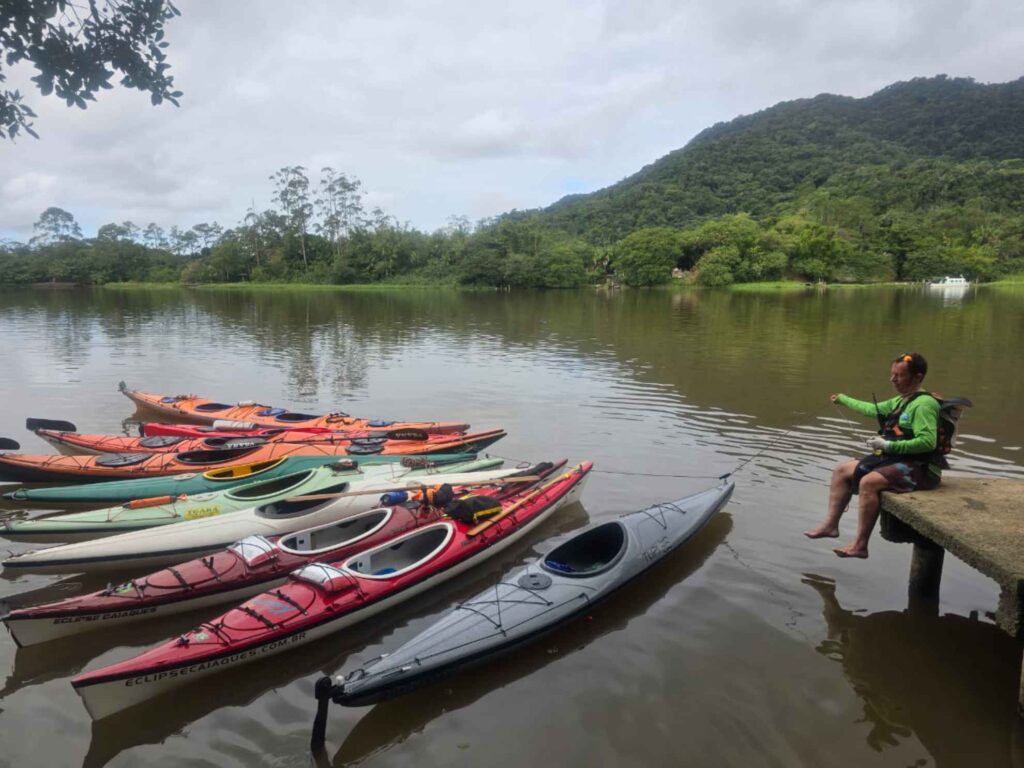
{"points": [[194, 408], [25, 468], [246, 568], [321, 598], [404, 441]]}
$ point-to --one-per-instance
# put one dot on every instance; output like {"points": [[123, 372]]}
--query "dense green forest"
{"points": [[921, 179]]}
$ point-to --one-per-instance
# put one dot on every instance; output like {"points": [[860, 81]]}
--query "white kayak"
{"points": [[140, 514], [166, 545]]}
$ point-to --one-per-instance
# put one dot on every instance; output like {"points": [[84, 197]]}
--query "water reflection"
{"points": [[392, 722], [651, 385], [908, 666], [948, 294], [783, 351]]}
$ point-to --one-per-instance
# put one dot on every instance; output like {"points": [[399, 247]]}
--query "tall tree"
{"points": [[208, 234], [253, 232], [181, 241], [55, 225], [292, 193], [123, 231], [77, 48], [340, 201], [154, 236]]}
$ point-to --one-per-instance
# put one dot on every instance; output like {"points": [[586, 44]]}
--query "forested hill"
{"points": [[919, 180], [912, 144]]}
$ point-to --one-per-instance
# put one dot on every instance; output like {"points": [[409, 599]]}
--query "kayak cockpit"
{"points": [[401, 555], [214, 455], [273, 487], [292, 418], [589, 553], [239, 471], [342, 533], [288, 508]]}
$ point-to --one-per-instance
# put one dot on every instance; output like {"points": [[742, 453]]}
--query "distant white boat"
{"points": [[947, 280]]}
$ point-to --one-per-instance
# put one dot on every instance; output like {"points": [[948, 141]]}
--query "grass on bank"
{"points": [[774, 286], [358, 287]]}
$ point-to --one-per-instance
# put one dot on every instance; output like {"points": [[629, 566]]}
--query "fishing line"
{"points": [[725, 476], [525, 463], [852, 424]]}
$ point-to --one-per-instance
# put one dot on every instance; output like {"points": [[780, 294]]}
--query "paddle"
{"points": [[6, 444], [513, 507], [55, 425], [413, 485], [322, 691], [374, 437]]}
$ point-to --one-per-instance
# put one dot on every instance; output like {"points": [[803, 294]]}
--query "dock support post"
{"points": [[926, 570], [1020, 691]]}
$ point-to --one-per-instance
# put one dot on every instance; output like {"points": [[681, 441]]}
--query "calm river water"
{"points": [[752, 646]]}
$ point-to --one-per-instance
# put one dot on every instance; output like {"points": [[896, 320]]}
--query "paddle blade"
{"points": [[322, 692], [54, 424], [6, 444]]}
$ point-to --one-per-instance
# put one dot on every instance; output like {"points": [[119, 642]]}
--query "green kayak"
{"points": [[116, 491], [159, 511]]}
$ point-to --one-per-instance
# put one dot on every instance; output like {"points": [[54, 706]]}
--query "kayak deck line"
{"points": [[159, 545], [566, 582], [250, 566], [238, 638]]}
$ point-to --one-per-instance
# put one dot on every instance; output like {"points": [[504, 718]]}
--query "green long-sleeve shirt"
{"points": [[921, 415]]}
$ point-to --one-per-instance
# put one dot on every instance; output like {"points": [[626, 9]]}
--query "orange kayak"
{"points": [[395, 442], [23, 468], [193, 408]]}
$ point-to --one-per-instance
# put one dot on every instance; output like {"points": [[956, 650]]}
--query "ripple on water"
{"points": [[718, 652]]}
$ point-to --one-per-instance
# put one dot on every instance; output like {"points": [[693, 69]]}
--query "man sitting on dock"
{"points": [[906, 456]]}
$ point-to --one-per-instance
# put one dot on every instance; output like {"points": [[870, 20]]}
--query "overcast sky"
{"points": [[464, 108]]}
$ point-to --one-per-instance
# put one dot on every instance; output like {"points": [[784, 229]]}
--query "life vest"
{"points": [[950, 410]]}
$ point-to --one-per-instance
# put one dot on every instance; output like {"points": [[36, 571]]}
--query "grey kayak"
{"points": [[535, 599]]}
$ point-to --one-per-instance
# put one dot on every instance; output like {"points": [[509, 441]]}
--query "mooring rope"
{"points": [[724, 476]]}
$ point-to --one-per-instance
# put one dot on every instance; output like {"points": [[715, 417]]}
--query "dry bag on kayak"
{"points": [[472, 509]]}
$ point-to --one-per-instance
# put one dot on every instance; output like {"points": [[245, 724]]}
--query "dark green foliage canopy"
{"points": [[943, 137], [77, 48]]}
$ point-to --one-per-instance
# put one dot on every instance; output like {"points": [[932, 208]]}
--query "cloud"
{"points": [[454, 107]]}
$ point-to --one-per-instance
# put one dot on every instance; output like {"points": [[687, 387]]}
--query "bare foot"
{"points": [[850, 551], [822, 533]]}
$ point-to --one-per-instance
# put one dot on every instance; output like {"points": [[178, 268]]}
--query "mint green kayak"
{"points": [[115, 491], [132, 516]]}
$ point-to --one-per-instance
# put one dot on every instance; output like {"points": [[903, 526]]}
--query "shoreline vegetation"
{"points": [[774, 286], [920, 180]]}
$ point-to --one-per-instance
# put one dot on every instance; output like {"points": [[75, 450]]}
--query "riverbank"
{"points": [[360, 287], [785, 286]]}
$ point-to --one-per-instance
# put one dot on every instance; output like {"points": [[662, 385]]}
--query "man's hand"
{"points": [[834, 398], [878, 444]]}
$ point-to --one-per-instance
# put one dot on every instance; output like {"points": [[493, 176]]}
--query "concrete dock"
{"points": [[980, 521]]}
